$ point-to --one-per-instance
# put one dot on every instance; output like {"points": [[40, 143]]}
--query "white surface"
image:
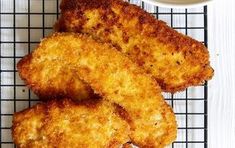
{"points": [[179, 3], [221, 19]]}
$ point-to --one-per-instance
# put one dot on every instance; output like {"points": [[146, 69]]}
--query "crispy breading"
{"points": [[52, 79], [175, 60], [116, 78], [66, 124]]}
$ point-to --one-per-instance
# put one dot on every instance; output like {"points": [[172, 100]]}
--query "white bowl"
{"points": [[178, 3]]}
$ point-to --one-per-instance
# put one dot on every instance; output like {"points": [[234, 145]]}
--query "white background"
{"points": [[221, 21]]}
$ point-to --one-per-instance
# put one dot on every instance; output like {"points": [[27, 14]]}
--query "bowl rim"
{"points": [[175, 5]]}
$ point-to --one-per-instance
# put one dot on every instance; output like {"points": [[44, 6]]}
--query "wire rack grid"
{"points": [[24, 22]]}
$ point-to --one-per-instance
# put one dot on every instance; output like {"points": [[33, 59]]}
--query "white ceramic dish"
{"points": [[178, 3]]}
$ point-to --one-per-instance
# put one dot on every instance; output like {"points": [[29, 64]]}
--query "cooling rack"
{"points": [[25, 22]]}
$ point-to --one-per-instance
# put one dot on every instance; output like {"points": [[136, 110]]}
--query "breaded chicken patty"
{"points": [[66, 124], [176, 61], [53, 79], [114, 77]]}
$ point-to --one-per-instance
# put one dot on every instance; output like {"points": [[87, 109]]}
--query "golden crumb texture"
{"points": [[176, 61], [116, 78], [50, 78], [66, 124]]}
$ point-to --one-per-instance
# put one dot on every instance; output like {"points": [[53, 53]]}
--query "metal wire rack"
{"points": [[24, 22]]}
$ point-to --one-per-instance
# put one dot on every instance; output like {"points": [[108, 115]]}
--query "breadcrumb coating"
{"points": [[176, 61], [114, 77], [66, 124]]}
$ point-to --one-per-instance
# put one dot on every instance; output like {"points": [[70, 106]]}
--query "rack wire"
{"points": [[24, 22]]}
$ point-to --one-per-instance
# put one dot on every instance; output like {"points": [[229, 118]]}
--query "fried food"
{"points": [[113, 76], [53, 79], [176, 61], [65, 124]]}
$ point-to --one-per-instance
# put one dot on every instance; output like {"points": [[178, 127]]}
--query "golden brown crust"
{"points": [[48, 80], [66, 124], [116, 78], [175, 60]]}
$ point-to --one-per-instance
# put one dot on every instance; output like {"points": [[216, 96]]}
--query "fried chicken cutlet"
{"points": [[66, 124], [53, 79], [113, 76], [176, 61]]}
